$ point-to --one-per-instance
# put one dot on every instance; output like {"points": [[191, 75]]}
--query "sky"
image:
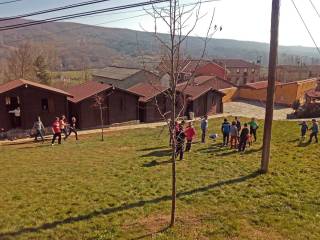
{"points": [[247, 20]]}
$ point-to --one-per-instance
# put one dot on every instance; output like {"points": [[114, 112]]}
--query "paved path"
{"points": [[254, 109]]}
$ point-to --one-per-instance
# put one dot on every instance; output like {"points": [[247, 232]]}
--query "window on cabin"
{"points": [[8, 101], [238, 70], [44, 104], [253, 70], [245, 70]]}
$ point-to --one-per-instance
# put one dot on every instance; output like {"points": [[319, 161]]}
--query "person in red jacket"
{"points": [[190, 132], [56, 131]]}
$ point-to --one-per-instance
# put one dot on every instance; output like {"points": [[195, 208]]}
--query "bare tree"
{"points": [[180, 22], [99, 102], [20, 63]]}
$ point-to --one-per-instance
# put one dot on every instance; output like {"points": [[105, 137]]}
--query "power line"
{"points": [[101, 23], [8, 2], [70, 16], [53, 9], [314, 7], [305, 25]]}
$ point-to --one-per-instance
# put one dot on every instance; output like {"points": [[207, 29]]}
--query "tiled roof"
{"points": [[195, 91], [213, 81], [21, 82], [192, 65], [202, 79], [116, 73], [258, 85], [86, 90], [235, 63], [147, 91]]}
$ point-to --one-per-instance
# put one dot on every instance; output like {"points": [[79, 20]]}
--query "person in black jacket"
{"points": [[244, 138], [180, 138], [238, 123]]}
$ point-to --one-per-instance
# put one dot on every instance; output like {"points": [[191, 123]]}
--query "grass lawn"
{"points": [[120, 189]]}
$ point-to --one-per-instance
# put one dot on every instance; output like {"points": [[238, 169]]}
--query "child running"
{"points": [[56, 131], [244, 135], [38, 126], [63, 126], [225, 129], [190, 132], [304, 129], [314, 130], [73, 127], [234, 135]]}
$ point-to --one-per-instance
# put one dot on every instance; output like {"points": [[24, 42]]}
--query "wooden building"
{"points": [[33, 99], [122, 77], [118, 105], [201, 100], [153, 99]]}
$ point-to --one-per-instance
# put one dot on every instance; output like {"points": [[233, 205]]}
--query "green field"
{"points": [[120, 189]]}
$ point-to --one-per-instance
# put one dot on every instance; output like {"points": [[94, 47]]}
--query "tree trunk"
{"points": [[271, 86], [174, 178], [102, 128]]}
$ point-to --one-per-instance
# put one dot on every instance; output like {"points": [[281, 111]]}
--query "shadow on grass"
{"points": [[159, 153], [156, 163], [126, 206], [303, 144], [214, 148], [251, 150], [153, 148]]}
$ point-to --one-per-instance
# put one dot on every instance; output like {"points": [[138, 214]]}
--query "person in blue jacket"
{"points": [[225, 129]]}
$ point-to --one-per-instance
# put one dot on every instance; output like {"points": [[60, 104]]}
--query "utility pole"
{"points": [[273, 55]]}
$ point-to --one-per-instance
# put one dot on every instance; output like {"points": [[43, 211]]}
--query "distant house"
{"points": [[122, 77], [119, 105], [33, 99], [240, 72], [153, 99], [201, 100], [291, 73], [192, 67]]}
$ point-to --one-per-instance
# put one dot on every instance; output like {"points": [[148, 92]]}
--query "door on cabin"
{"points": [[14, 111]]}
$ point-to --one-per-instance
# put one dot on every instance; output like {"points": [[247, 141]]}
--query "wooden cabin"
{"points": [[118, 105], [32, 99]]}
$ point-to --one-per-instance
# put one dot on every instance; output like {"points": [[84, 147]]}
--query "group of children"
{"points": [[182, 134], [235, 134], [59, 126], [314, 130]]}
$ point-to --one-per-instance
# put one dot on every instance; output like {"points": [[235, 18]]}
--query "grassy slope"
{"points": [[120, 188]]}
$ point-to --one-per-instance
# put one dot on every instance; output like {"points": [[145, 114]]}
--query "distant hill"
{"points": [[78, 44]]}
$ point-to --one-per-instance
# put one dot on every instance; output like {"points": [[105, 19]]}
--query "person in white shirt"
{"points": [[17, 116]]}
